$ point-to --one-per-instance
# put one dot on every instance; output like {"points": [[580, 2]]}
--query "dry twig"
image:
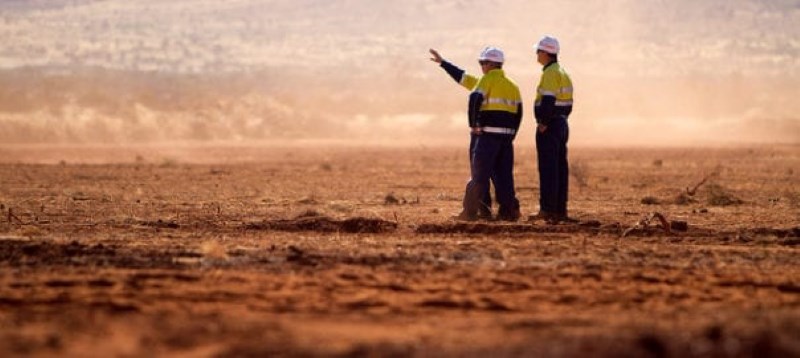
{"points": [[693, 190], [645, 222], [12, 217]]}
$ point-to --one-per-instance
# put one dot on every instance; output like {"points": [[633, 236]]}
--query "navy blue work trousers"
{"points": [[492, 158], [486, 198], [551, 150]]}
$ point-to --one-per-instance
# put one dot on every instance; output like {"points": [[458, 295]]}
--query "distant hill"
{"points": [[229, 70], [198, 35]]}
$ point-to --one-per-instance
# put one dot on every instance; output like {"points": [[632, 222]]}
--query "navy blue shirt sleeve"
{"points": [[452, 70], [545, 110]]}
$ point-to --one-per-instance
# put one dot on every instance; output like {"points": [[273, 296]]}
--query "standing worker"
{"points": [[469, 82], [552, 108], [495, 113]]}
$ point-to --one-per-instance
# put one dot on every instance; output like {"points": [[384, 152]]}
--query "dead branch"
{"points": [[693, 190], [12, 217], [646, 221]]}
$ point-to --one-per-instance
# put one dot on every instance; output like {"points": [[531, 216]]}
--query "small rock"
{"points": [[679, 225], [391, 200]]}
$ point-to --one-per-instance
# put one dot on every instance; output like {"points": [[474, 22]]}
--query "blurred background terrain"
{"points": [[648, 72]]}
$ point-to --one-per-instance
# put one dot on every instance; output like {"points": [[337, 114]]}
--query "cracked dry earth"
{"points": [[340, 251]]}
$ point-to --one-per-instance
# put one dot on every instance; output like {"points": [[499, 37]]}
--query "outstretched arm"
{"points": [[458, 75]]}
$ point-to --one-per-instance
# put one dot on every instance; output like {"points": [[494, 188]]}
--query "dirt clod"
{"points": [[390, 199], [719, 196], [326, 224], [679, 225], [650, 200]]}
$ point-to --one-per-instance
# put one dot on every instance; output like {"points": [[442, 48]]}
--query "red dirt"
{"points": [[297, 252]]}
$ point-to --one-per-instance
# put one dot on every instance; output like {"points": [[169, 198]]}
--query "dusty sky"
{"points": [[678, 72]]}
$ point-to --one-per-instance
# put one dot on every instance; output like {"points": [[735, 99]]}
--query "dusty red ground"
{"points": [[305, 251]]}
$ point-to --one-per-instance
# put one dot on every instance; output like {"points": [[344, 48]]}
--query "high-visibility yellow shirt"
{"points": [[469, 81], [555, 82], [499, 92], [495, 103]]}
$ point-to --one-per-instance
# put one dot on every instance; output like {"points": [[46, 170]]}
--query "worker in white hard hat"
{"points": [[469, 82], [552, 108], [494, 116]]}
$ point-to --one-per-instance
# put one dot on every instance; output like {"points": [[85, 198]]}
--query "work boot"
{"points": [[485, 214], [465, 216], [550, 218], [567, 220], [512, 215]]}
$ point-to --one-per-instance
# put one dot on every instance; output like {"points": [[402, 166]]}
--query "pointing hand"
{"points": [[436, 58]]}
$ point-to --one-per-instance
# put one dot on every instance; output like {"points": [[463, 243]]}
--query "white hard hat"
{"points": [[492, 54], [548, 44]]}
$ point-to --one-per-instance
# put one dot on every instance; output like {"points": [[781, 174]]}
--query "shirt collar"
{"points": [[548, 65], [496, 71]]}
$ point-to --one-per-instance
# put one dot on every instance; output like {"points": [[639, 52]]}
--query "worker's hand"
{"points": [[436, 58], [541, 127]]}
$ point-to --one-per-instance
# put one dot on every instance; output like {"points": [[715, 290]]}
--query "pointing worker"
{"points": [[552, 108], [495, 113], [469, 82]]}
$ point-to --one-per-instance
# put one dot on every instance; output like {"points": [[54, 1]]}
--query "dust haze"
{"points": [[646, 72]]}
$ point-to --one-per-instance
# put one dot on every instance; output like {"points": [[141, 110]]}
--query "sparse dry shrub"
{"points": [[719, 196], [580, 172], [716, 173], [684, 199], [658, 163]]}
